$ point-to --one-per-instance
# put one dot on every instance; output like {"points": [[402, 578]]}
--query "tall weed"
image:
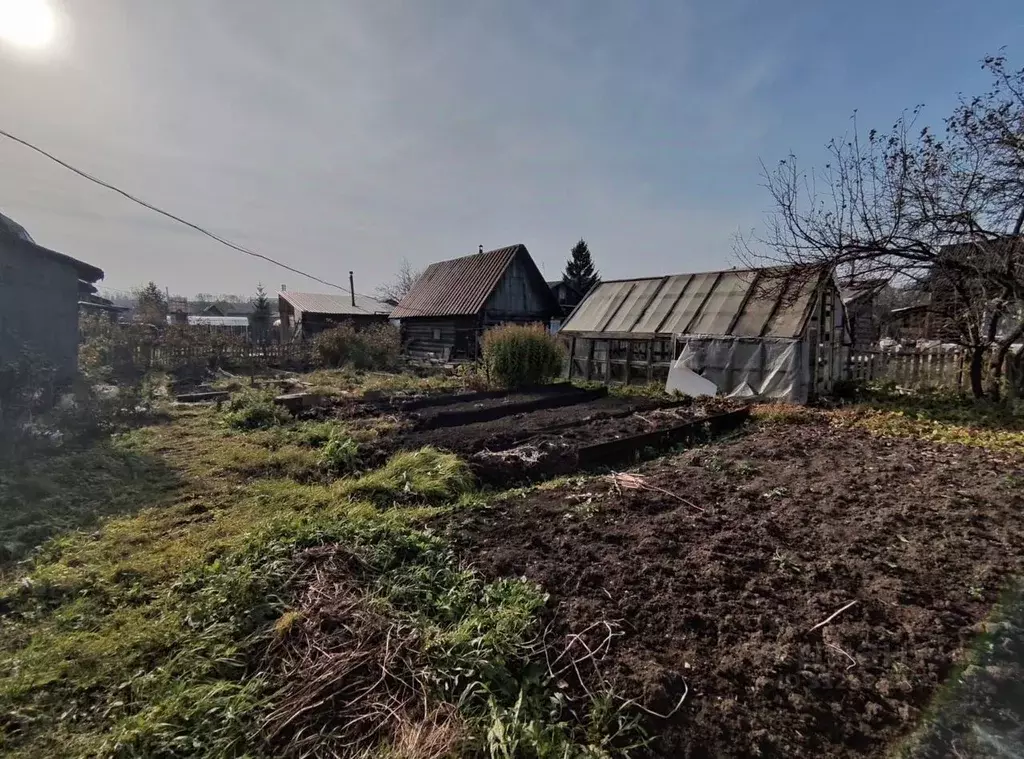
{"points": [[516, 355]]}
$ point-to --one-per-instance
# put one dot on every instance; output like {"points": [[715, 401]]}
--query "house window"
{"points": [[437, 333]]}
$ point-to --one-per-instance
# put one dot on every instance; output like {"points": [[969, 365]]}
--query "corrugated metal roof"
{"points": [[461, 286], [218, 321], [739, 303], [318, 303]]}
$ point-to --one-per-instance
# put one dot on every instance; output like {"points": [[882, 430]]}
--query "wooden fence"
{"points": [[292, 355], [917, 368]]}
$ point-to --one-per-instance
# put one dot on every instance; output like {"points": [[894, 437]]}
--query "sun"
{"points": [[29, 24]]}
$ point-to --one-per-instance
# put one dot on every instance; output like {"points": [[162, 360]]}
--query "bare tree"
{"points": [[393, 292], [942, 211]]}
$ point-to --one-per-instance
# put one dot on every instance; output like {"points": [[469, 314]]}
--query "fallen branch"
{"points": [[622, 480], [832, 616], [837, 648]]}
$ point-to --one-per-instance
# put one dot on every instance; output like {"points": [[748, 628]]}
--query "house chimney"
{"points": [[352, 288], [481, 248], [284, 288]]}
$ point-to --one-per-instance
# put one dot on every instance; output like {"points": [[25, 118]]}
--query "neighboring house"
{"points": [[567, 296], [213, 310], [306, 314], [773, 333], [445, 313], [860, 298], [39, 296], [913, 323]]}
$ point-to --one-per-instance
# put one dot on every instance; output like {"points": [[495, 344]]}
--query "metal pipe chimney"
{"points": [[352, 288]]}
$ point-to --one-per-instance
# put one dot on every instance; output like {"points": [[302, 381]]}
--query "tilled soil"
{"points": [[719, 594], [592, 421]]}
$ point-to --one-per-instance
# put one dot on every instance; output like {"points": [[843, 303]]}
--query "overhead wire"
{"points": [[174, 217]]}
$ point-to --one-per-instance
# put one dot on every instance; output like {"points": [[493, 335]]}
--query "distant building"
{"points": [[306, 314], [453, 302], [39, 297], [237, 326], [860, 298], [566, 295]]}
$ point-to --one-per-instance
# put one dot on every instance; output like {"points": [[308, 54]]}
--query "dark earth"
{"points": [[541, 444], [715, 585]]}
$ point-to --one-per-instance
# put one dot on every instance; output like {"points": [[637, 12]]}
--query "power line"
{"points": [[173, 217]]}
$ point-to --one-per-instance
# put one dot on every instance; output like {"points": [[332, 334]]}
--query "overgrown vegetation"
{"points": [[339, 454], [214, 615], [517, 355], [254, 410], [427, 475], [372, 347]]}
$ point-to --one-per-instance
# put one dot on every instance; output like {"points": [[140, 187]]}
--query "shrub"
{"points": [[517, 355], [255, 410], [376, 347], [340, 455]]}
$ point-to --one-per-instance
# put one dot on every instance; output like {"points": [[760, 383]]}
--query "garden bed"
{"points": [[547, 442], [712, 575]]}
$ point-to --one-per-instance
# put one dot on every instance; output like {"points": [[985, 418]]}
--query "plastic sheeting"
{"points": [[744, 367]]}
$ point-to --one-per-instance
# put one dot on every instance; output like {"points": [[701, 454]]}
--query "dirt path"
{"points": [[797, 522]]}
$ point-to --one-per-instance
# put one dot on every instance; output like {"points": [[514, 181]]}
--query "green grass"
{"points": [[53, 491], [937, 417], [163, 628], [427, 475]]}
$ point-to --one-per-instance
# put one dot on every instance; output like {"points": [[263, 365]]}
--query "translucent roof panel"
{"points": [[741, 303]]}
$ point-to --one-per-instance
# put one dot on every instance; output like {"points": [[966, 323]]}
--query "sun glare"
{"points": [[29, 24]]}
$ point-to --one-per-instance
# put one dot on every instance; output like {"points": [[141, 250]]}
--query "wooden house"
{"points": [[445, 313], [40, 291], [306, 314]]}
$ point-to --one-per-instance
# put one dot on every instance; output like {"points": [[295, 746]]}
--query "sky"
{"points": [[342, 135]]}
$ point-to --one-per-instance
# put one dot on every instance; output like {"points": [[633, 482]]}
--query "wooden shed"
{"points": [[306, 314], [40, 291], [776, 332], [445, 313]]}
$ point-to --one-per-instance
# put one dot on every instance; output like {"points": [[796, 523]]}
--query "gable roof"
{"points": [[336, 305], [461, 286], [12, 232], [773, 302]]}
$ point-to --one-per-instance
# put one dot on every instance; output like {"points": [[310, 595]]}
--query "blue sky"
{"points": [[344, 135]]}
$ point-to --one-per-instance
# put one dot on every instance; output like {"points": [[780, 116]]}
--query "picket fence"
{"points": [[913, 368]]}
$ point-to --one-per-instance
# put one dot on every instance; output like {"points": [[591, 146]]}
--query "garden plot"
{"points": [[800, 591], [511, 445]]}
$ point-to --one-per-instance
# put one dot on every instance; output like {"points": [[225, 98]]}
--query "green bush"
{"points": [[255, 410], [375, 347], [339, 455], [517, 355]]}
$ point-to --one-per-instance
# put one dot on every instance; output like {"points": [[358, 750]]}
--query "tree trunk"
{"points": [[977, 370], [995, 374], [1001, 357]]}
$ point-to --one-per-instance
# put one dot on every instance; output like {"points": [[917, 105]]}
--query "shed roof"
{"points": [[14, 232], [461, 286], [854, 291], [218, 321], [738, 303], [335, 305]]}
